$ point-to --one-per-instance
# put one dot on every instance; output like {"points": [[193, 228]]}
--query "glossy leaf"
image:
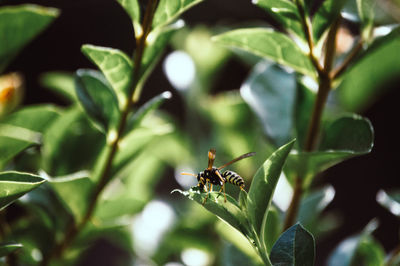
{"points": [[46, 208], [312, 206], [151, 130], [231, 256], [346, 137], [325, 15], [271, 228], [133, 9], [362, 84], [147, 108], [61, 83], [16, 184], [270, 92], [131, 188], [156, 42], [14, 139], [390, 200], [35, 117], [18, 26], [357, 250], [97, 98], [369, 253], [7, 248], [70, 144], [228, 211], [74, 192], [349, 133], [22, 129], [294, 247], [285, 12], [269, 44], [263, 186], [169, 10], [239, 243], [116, 67]]}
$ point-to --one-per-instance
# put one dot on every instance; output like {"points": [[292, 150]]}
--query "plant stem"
{"points": [[340, 69], [325, 85], [308, 34], [74, 229]]}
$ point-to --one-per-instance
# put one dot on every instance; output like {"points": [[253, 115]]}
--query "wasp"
{"points": [[212, 175]]}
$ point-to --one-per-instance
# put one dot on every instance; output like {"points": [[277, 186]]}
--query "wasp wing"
{"points": [[237, 159], [211, 158]]}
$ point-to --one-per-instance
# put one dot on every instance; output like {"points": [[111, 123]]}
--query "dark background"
{"points": [[104, 23]]}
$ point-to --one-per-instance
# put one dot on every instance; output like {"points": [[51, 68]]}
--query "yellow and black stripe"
{"points": [[233, 178]]}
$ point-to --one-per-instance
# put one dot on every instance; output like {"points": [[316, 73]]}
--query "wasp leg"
{"points": [[208, 191]]}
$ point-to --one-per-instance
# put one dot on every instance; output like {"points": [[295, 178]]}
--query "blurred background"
{"points": [[104, 23]]}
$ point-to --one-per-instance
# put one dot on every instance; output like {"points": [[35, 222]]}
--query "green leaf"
{"points": [[390, 200], [74, 192], [366, 13], [116, 67], [16, 184], [363, 83], [70, 144], [270, 92], [360, 249], [271, 228], [238, 242], [349, 133], [324, 17], [228, 211], [285, 12], [294, 247], [269, 44], [232, 256], [145, 109], [152, 128], [21, 130], [14, 140], [344, 138], [169, 10], [369, 253], [35, 117], [7, 248], [97, 98], [62, 83], [131, 188], [312, 206], [133, 9], [18, 26], [156, 42], [263, 186]]}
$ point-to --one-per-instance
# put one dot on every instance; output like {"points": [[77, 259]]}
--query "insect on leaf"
{"points": [[228, 211]]}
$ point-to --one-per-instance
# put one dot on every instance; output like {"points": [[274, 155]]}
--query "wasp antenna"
{"points": [[188, 174]]}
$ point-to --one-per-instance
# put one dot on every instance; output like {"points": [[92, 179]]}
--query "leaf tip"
{"points": [[177, 190], [167, 95]]}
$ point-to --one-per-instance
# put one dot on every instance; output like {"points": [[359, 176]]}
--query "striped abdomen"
{"points": [[233, 178]]}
